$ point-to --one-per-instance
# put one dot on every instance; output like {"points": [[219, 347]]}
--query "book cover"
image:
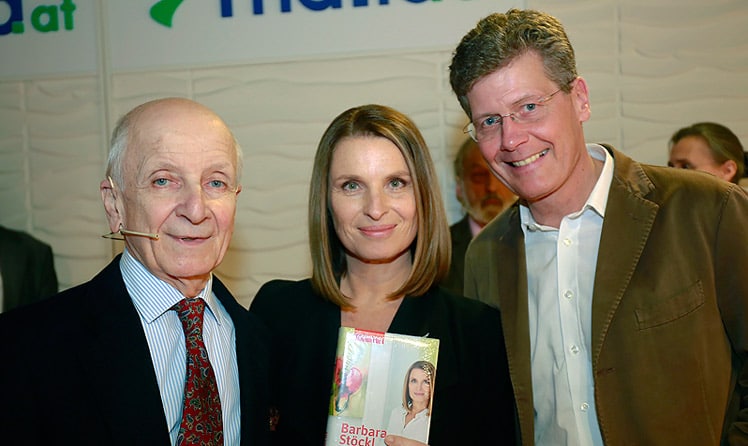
{"points": [[382, 385]]}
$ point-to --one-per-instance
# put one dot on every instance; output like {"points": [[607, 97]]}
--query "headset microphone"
{"points": [[139, 234], [123, 232]]}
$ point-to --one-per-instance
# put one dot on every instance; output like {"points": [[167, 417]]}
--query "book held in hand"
{"points": [[382, 385]]}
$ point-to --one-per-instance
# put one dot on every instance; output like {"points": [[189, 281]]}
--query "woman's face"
{"points": [[419, 387], [693, 152], [372, 200]]}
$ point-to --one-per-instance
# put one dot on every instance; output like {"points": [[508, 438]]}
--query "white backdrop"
{"points": [[652, 67]]}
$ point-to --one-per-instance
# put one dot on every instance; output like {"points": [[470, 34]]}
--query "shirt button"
{"points": [[567, 242], [568, 294], [574, 349], [584, 407]]}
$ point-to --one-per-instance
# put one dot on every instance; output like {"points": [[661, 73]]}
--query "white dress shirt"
{"points": [[153, 299], [416, 429], [561, 267]]}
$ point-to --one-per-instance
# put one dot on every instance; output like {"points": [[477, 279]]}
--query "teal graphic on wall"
{"points": [[43, 18]]}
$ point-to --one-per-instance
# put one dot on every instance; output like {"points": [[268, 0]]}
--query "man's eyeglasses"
{"points": [[489, 127]]}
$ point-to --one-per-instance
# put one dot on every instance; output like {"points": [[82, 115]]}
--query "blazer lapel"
{"points": [[628, 221], [462, 235], [252, 357], [511, 282], [114, 353]]}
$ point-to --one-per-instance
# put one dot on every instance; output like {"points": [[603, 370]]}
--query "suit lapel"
{"points": [[462, 234], [628, 221], [252, 361], [511, 282], [114, 353]]}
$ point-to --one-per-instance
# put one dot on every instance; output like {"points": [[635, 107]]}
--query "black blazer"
{"points": [[27, 268], [473, 400], [76, 369], [461, 236]]}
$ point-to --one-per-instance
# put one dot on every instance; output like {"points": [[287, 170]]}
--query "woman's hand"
{"points": [[396, 440]]}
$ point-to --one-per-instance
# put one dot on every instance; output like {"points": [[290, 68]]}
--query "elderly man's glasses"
{"points": [[489, 127]]}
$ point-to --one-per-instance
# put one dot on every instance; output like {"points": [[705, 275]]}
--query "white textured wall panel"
{"points": [[651, 66], [51, 157]]}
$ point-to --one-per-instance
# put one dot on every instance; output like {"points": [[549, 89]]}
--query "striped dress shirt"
{"points": [[153, 299]]}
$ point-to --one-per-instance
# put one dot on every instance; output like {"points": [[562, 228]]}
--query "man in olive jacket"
{"points": [[670, 303], [622, 287]]}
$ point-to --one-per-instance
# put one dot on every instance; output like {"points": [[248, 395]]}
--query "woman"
{"points": [[379, 242], [411, 420], [708, 147]]}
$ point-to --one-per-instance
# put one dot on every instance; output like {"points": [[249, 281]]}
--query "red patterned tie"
{"points": [[201, 417]]}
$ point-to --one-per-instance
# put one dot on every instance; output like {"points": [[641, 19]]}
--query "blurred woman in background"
{"points": [[708, 147]]}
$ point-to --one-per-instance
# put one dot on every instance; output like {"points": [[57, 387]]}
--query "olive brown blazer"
{"points": [[669, 307]]}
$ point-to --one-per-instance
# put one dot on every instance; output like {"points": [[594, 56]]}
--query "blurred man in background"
{"points": [[27, 269], [483, 196]]}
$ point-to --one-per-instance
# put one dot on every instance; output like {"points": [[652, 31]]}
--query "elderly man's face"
{"points": [[482, 194], [180, 183]]}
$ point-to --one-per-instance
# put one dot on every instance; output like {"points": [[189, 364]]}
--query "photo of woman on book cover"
{"points": [[412, 418]]}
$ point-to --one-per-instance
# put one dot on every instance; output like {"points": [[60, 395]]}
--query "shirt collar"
{"points": [[153, 297], [474, 226], [597, 200]]}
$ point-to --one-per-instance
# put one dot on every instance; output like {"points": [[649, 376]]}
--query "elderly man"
{"points": [[154, 350], [621, 286], [482, 196]]}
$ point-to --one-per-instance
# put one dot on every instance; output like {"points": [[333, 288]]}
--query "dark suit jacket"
{"points": [[669, 306], [76, 369], [27, 268], [461, 236], [472, 394]]}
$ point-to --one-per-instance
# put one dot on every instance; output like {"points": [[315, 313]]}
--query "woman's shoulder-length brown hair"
{"points": [[431, 249]]}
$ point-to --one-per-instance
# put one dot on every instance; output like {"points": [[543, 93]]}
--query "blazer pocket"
{"points": [[672, 308]]}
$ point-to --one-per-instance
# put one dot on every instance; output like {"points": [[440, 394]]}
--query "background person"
{"points": [[708, 147], [373, 193], [27, 269], [619, 283], [483, 196], [107, 362], [411, 419]]}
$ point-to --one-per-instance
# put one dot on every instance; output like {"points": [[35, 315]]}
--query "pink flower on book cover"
{"points": [[350, 385], [354, 380]]}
